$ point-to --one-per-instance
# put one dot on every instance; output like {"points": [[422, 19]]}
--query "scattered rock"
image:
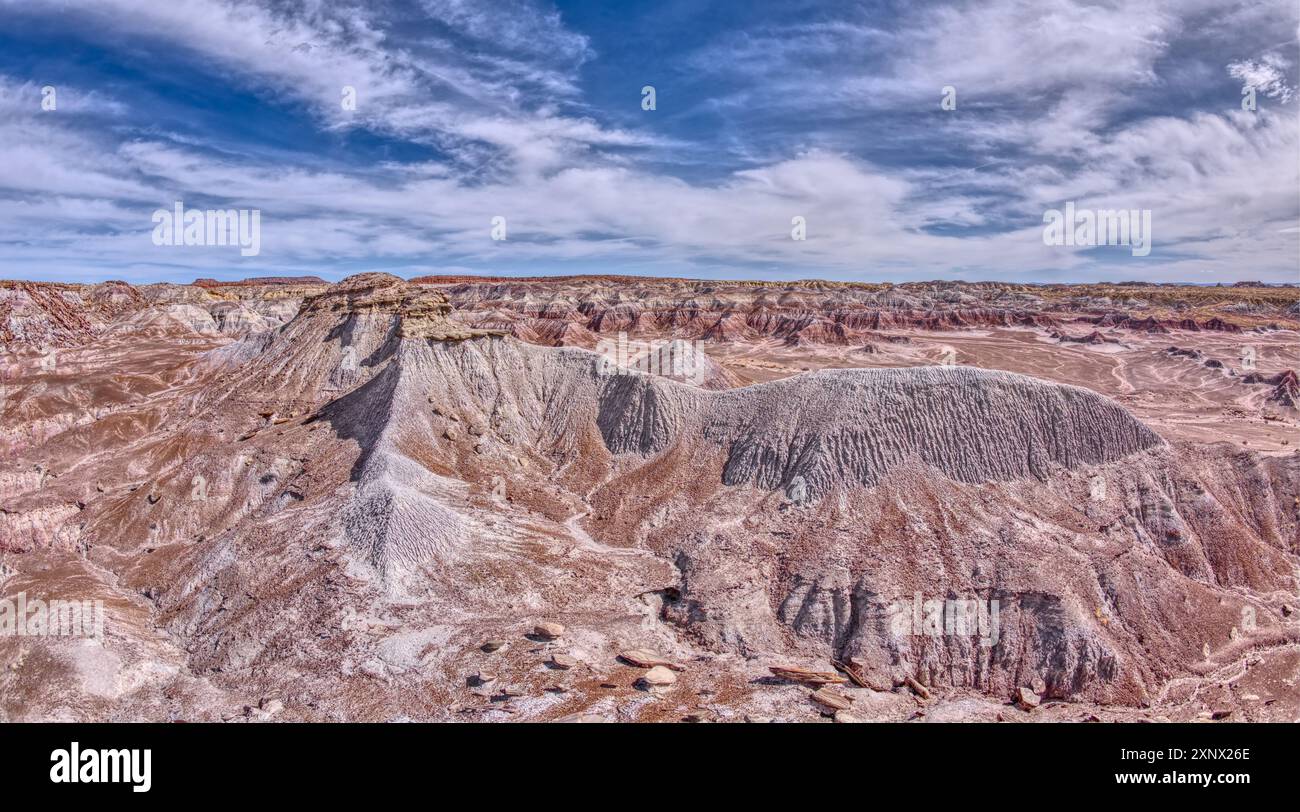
{"points": [[830, 699], [548, 629], [872, 679], [1027, 699], [582, 718], [845, 718], [804, 676], [490, 646], [644, 658], [563, 661], [917, 688], [850, 672], [658, 676]]}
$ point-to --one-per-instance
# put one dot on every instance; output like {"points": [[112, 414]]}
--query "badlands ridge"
{"points": [[432, 500]]}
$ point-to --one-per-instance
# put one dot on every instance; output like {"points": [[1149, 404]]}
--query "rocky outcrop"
{"points": [[1286, 387], [44, 314]]}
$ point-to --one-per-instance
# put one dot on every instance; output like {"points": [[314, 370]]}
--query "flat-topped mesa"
{"points": [[261, 282], [340, 338], [423, 313]]}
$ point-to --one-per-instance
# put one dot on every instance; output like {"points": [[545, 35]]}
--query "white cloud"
{"points": [[1221, 184], [1267, 76], [432, 92]]}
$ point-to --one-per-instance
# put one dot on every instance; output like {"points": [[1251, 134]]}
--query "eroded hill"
{"points": [[373, 509]]}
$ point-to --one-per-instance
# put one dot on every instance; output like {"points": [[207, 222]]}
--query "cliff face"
{"points": [[375, 297]]}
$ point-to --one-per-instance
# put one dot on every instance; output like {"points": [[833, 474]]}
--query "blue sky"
{"points": [[765, 111]]}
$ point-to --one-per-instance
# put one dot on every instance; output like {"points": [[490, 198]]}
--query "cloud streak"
{"points": [[496, 108]]}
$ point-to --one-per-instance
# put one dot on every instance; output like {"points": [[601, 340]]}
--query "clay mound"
{"points": [[1147, 325], [552, 310], [831, 428], [398, 517], [729, 327], [677, 360], [235, 319], [179, 317], [1286, 387], [853, 426], [625, 317], [690, 316], [1222, 326], [556, 333], [822, 331], [827, 430], [1094, 337], [499, 320]]}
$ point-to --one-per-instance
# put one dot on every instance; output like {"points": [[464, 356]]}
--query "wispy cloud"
{"points": [[477, 111], [1267, 76]]}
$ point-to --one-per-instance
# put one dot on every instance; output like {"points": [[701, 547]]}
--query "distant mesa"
{"points": [[260, 280], [460, 279]]}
